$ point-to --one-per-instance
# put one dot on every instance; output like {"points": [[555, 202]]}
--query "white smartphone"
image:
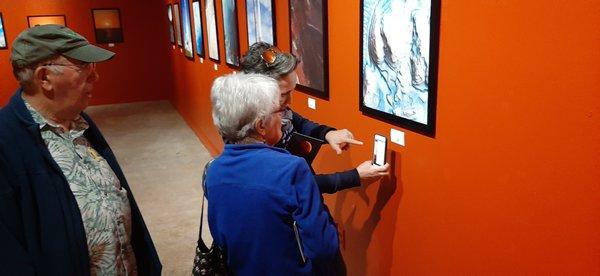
{"points": [[379, 149]]}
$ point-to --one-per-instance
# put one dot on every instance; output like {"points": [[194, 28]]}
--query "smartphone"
{"points": [[379, 149]]}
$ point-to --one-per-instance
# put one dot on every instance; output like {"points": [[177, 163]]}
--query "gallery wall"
{"points": [[138, 72], [510, 183]]}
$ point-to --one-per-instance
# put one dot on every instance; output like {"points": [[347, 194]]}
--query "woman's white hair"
{"points": [[239, 100]]}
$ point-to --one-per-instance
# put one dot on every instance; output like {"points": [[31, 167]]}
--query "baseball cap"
{"points": [[42, 42]]}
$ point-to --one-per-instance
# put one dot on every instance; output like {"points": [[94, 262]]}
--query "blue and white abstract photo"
{"points": [[186, 25], [211, 30], [396, 59], [2, 34], [198, 28], [259, 16], [171, 27], [232, 47]]}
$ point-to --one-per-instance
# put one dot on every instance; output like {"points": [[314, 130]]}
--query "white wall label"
{"points": [[312, 103], [397, 136]]}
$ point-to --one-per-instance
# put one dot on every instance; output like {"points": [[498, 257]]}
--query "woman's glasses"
{"points": [[270, 55]]}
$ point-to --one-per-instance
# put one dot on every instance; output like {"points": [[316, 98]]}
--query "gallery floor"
{"points": [[162, 159]]}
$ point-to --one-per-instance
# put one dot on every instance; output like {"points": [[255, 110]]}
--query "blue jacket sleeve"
{"points": [[333, 182], [308, 127], [317, 231]]}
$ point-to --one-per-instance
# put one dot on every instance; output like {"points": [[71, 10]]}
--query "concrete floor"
{"points": [[163, 160]]}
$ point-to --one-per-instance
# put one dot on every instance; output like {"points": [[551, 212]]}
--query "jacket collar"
{"points": [[18, 107]]}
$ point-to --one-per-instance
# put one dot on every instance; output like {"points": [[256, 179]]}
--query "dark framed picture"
{"points": [[230, 28], [199, 34], [3, 42], [177, 25], [260, 18], [186, 28], [211, 30], [37, 20], [398, 62], [107, 25], [171, 25], [308, 39]]}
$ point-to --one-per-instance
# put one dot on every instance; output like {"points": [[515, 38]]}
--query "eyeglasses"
{"points": [[80, 67], [270, 55]]}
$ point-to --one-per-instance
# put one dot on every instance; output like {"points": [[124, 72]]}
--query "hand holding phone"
{"points": [[379, 150]]}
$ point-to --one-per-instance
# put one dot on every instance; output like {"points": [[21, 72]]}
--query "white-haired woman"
{"points": [[264, 207]]}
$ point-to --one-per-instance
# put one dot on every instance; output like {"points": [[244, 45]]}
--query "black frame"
{"points": [[273, 20], [323, 94], [218, 59], [227, 35], [97, 33], [171, 24], [429, 128], [189, 55], [199, 53], [3, 32], [177, 25], [46, 15]]}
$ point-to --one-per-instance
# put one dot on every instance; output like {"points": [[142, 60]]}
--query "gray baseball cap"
{"points": [[42, 42]]}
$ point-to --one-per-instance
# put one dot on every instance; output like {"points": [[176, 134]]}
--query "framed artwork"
{"points": [[196, 11], [177, 25], [260, 18], [398, 62], [107, 25], [186, 27], [171, 27], [230, 28], [211, 30], [308, 39], [37, 20], [3, 42]]}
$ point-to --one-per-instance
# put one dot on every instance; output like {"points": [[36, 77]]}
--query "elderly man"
{"points": [[65, 206], [263, 58]]}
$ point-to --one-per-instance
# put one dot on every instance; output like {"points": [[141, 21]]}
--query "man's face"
{"points": [[287, 84], [72, 89]]}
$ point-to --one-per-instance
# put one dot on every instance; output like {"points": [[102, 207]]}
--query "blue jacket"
{"points": [[41, 232], [255, 193]]}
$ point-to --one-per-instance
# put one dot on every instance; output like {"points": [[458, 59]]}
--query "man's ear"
{"points": [[42, 78]]}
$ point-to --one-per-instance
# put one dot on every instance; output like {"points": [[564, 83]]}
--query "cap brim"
{"points": [[89, 53]]}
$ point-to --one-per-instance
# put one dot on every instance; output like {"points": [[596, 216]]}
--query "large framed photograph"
{"points": [[230, 28], [37, 20], [3, 42], [308, 39], [211, 30], [398, 62], [107, 25], [177, 24], [197, 14], [171, 26], [186, 29], [260, 20]]}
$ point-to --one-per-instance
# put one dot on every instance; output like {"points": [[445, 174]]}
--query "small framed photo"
{"points": [[177, 24], [37, 20], [186, 29], [230, 30], [107, 25], [211, 30], [260, 20], [197, 14], [3, 43], [171, 27]]}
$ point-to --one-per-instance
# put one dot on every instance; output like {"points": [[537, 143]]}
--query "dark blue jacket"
{"points": [[255, 194], [41, 231], [328, 183]]}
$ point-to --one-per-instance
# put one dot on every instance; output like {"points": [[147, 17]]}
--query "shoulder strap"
{"points": [[203, 196]]}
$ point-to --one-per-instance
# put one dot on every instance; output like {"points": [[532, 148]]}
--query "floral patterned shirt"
{"points": [[103, 203]]}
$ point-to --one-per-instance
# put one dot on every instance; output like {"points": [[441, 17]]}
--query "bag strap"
{"points": [[203, 196]]}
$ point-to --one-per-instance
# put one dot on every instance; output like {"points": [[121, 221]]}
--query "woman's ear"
{"points": [[260, 127]]}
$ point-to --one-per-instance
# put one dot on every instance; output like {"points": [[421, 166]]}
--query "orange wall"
{"points": [[138, 72], [511, 182]]}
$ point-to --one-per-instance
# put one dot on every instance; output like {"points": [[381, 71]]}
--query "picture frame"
{"points": [[107, 25], [36, 20], [212, 36], [186, 29], [260, 21], [177, 25], [171, 25], [308, 42], [401, 90], [198, 32], [3, 41], [230, 31]]}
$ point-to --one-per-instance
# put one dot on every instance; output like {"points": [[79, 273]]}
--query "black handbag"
{"points": [[209, 261]]}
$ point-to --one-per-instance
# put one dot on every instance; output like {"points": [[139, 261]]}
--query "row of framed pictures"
{"points": [[107, 25], [398, 49]]}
